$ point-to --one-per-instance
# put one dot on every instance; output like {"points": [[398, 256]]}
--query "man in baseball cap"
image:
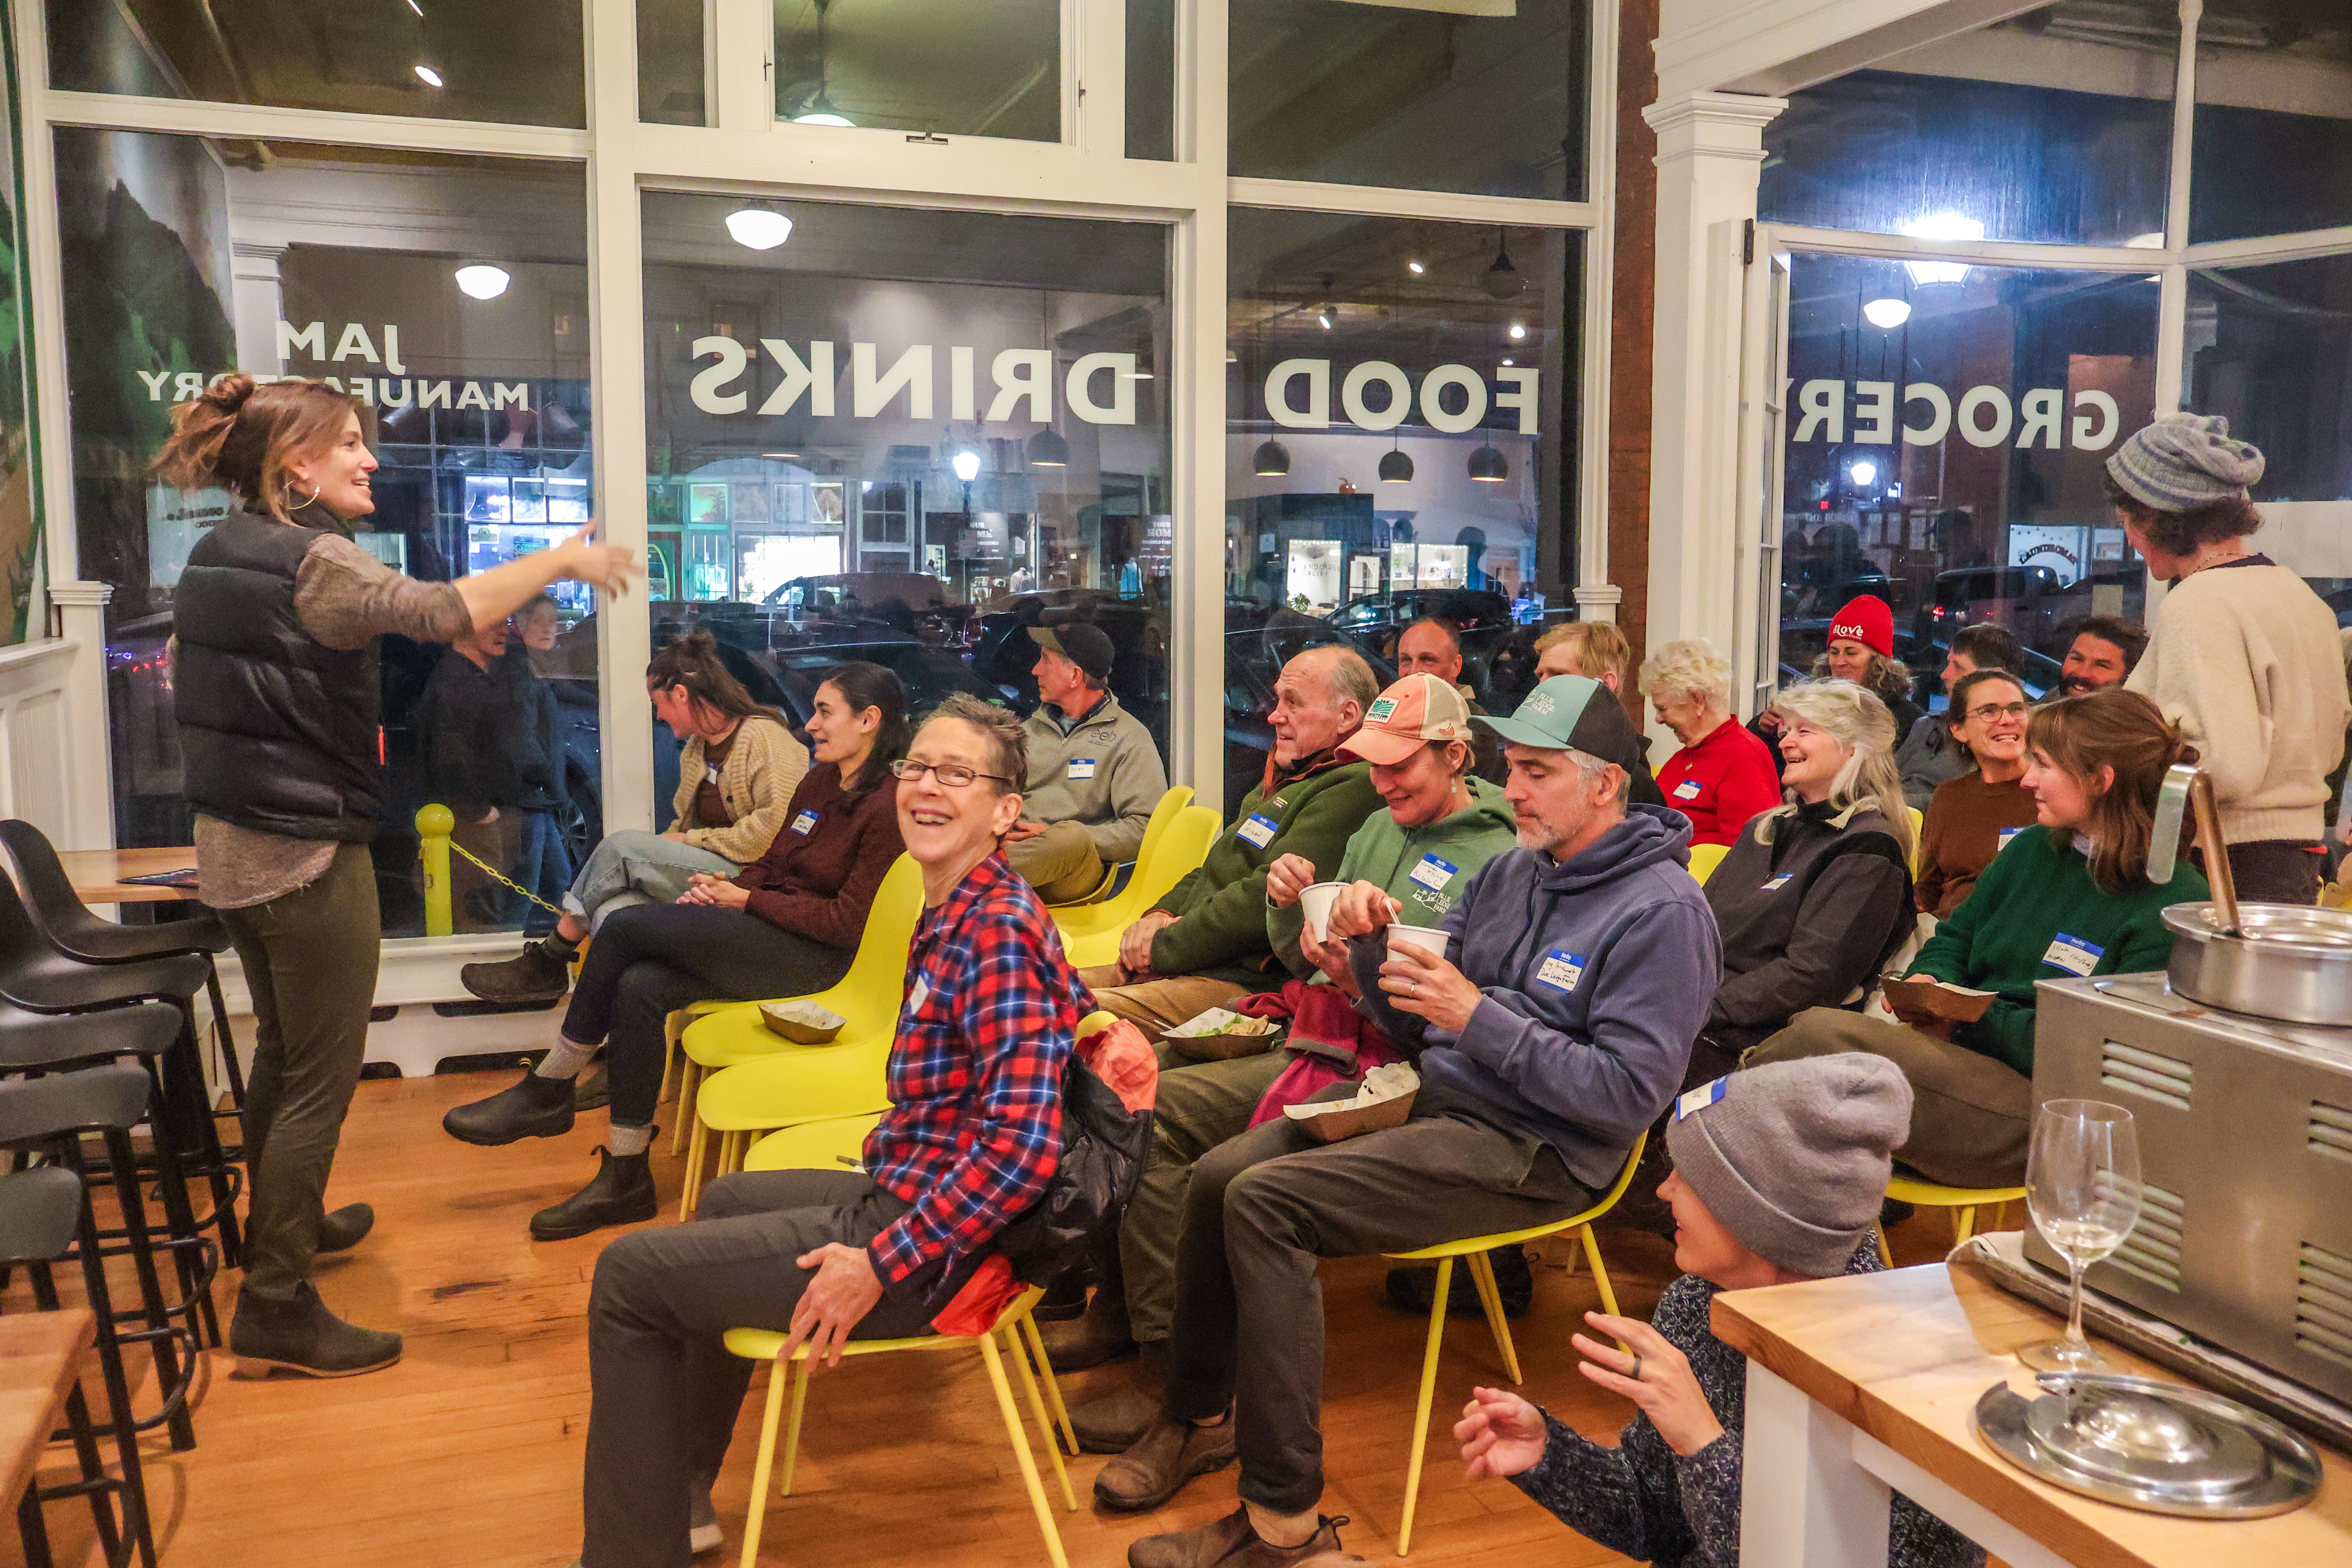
{"points": [[1574, 713], [1093, 772]]}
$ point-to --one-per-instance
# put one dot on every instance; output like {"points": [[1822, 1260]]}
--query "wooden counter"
{"points": [[94, 874]]}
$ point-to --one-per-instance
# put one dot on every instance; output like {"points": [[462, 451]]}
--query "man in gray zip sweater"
{"points": [[1579, 969], [1093, 772]]}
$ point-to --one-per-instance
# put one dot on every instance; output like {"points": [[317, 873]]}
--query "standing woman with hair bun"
{"points": [[279, 709]]}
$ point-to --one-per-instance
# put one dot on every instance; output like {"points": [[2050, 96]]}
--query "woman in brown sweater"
{"points": [[1971, 816], [785, 925]]}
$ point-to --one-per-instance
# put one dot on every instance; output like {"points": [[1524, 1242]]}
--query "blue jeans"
{"points": [[543, 864], [631, 867]]}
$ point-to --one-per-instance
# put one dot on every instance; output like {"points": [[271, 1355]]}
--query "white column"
{"points": [[1710, 151], [260, 301], [90, 788]]}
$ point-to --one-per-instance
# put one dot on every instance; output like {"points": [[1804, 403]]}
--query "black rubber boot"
{"points": [[303, 1336], [1101, 1334], [540, 973], [621, 1194], [592, 1091], [535, 1107], [1413, 1287], [345, 1228]]}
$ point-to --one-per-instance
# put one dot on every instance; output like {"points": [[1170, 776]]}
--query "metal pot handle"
{"points": [[2171, 810]]}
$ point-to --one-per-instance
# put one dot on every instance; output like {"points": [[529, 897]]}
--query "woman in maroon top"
{"points": [[785, 925]]}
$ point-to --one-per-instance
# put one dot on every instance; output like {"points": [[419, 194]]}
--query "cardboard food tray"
{"points": [[1908, 999], [1330, 1121], [803, 1023], [1239, 1036]]}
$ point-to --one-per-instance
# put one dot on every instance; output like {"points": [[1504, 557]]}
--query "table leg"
{"points": [[1804, 1500]]}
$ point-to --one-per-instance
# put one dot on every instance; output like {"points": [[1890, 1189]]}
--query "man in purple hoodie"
{"points": [[1579, 968]]}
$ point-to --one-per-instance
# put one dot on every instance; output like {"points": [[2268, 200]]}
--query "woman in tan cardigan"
{"points": [[736, 775]]}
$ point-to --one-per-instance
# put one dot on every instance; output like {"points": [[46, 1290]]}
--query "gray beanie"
{"points": [[2184, 461], [1794, 1157]]}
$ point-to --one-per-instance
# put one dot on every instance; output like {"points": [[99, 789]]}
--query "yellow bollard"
{"points": [[434, 825]]}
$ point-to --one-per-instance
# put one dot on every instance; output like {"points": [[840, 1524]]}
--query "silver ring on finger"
{"points": [[1636, 1374], [1413, 987]]}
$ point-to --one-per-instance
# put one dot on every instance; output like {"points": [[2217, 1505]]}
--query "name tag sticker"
{"points": [[1258, 831], [1082, 767], [1702, 1096], [1433, 873], [1778, 882], [1561, 970], [1686, 789], [920, 993], [804, 822], [709, 773], [2005, 835], [2072, 954]]}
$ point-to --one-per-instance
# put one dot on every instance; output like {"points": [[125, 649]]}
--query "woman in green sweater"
{"points": [[2068, 896]]}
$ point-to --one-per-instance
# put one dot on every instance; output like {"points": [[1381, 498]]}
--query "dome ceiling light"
{"points": [[481, 281]]}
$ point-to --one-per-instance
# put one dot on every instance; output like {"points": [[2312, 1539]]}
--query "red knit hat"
{"points": [[1868, 620]]}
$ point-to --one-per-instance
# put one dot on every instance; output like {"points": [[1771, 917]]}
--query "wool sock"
{"points": [[1284, 1530], [560, 946], [625, 1142], [566, 1059]]}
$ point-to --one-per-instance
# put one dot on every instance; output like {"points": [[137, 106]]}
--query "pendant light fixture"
{"points": [[1488, 466], [1396, 468], [1046, 448], [819, 109], [1502, 280], [758, 227], [1272, 461]]}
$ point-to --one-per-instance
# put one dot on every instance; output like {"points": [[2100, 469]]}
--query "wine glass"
{"points": [[2083, 1188]]}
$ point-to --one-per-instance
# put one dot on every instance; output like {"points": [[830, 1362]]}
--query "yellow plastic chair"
{"points": [[1482, 1273], [673, 1030], [1090, 935], [1089, 910], [800, 1084], [1004, 1336], [1963, 1202], [867, 997], [837, 1144], [1705, 859], [1918, 830]]}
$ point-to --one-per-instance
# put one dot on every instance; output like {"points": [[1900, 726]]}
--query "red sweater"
{"points": [[1721, 782], [819, 878]]}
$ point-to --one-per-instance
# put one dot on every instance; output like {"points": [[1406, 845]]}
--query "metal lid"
{"points": [[2160, 1446], [2296, 928]]}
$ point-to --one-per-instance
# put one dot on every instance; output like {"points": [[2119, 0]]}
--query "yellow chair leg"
{"points": [[1020, 1451], [673, 1031], [690, 1079], [1420, 1411], [690, 1190], [1045, 1432], [1053, 1383], [792, 1432], [1599, 1273], [730, 1152], [1964, 1223], [779, 1373], [1481, 1274]]}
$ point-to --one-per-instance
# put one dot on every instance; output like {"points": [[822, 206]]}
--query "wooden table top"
{"points": [[94, 874], [1904, 1356], [40, 1356]]}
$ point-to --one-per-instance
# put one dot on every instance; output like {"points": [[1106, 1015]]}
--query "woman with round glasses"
{"points": [[1971, 816], [785, 925]]}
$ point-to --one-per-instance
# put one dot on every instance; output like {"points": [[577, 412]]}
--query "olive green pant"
{"points": [[1200, 1106], [1153, 1005], [1970, 1115], [1060, 863], [310, 961]]}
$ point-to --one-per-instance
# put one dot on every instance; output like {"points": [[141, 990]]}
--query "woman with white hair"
{"points": [[1816, 895], [1723, 775]]}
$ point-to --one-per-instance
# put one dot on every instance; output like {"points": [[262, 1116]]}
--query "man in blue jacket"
{"points": [[1579, 968]]}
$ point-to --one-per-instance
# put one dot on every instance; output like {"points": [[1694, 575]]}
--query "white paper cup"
{"points": [[1429, 939], [1317, 899]]}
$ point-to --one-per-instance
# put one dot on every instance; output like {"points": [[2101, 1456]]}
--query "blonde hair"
{"points": [[243, 437], [1682, 671], [1596, 647], [1855, 719]]}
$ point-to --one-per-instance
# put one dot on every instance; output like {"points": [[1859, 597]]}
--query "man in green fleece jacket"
{"points": [[1205, 942]]}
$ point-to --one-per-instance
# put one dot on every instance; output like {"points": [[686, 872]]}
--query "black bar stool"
{"points": [[143, 1033], [66, 922], [40, 1215]]}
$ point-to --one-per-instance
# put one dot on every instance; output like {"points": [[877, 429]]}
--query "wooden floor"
{"points": [[469, 1452]]}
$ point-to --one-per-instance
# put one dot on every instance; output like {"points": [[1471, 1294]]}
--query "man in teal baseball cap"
{"points": [[1574, 713]]}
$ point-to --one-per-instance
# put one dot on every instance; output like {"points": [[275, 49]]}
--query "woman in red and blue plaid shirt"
{"points": [[969, 1142]]}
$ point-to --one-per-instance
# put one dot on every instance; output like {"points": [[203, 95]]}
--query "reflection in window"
{"points": [[1945, 446], [1151, 78], [2274, 147], [2054, 127], [1394, 412], [906, 436], [973, 69], [1485, 98], [517, 62], [670, 62], [460, 327]]}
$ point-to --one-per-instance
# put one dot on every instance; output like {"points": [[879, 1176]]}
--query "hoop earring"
{"points": [[287, 490]]}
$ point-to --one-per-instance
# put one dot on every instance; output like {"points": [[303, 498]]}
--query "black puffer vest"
{"points": [[279, 732]]}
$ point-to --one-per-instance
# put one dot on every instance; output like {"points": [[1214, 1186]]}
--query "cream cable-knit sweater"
{"points": [[2246, 660]]}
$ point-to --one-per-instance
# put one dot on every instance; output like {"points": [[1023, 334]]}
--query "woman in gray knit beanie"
{"points": [[1779, 1175], [2242, 653]]}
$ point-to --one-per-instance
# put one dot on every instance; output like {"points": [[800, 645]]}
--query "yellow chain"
{"points": [[498, 875]]}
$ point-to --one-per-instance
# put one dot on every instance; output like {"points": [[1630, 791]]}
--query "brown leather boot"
{"points": [[1170, 1453], [1116, 1422], [1101, 1335], [1229, 1542]]}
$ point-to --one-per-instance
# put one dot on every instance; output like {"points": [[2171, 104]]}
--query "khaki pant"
{"points": [[1153, 1005], [1199, 1106], [1060, 863], [1970, 1115]]}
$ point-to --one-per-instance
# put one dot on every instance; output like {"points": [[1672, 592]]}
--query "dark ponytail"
{"points": [[692, 661], [242, 437], [864, 686]]}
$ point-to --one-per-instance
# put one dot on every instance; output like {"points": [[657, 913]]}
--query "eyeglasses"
{"points": [[1992, 710], [954, 775]]}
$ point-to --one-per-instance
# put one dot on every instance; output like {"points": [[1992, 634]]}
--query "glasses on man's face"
{"points": [[955, 775], [1992, 710]]}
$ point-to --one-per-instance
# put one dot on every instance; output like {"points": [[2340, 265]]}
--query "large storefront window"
{"points": [[2273, 97], [670, 62], [20, 497], [516, 62], [1395, 405], [906, 436], [965, 70], [456, 313], [1945, 443]]}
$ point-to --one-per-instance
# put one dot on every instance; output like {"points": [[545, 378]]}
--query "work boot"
{"points": [[1117, 1422], [621, 1194], [1413, 1289], [1101, 1335], [344, 1229], [303, 1336], [592, 1091], [541, 972], [1170, 1453], [535, 1107], [1230, 1542], [1064, 1301]]}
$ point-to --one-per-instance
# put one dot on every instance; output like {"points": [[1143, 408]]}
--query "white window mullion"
{"points": [[2184, 128], [1379, 201], [1587, 576], [744, 46], [1196, 633], [267, 122], [1094, 58]]}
